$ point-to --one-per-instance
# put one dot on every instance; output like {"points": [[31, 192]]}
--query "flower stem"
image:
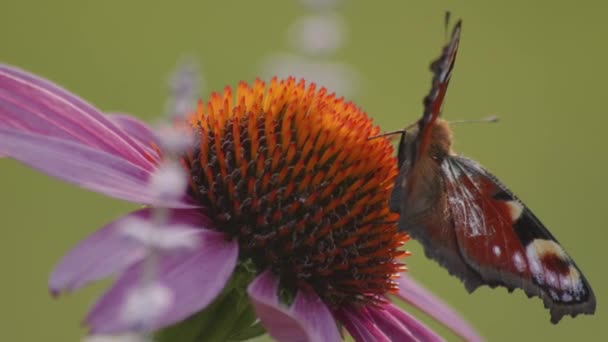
{"points": [[229, 318]]}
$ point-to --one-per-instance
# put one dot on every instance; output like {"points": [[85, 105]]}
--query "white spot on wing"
{"points": [[519, 262], [573, 282], [536, 269], [515, 209], [565, 281], [496, 250], [551, 279]]}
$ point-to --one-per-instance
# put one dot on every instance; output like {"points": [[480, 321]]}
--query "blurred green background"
{"points": [[541, 66]]}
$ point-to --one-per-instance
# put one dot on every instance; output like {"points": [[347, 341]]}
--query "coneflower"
{"points": [[286, 202]]}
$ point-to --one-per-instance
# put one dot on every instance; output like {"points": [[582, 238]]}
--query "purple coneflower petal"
{"points": [[193, 278], [401, 326], [109, 251], [83, 166], [308, 318], [416, 295], [139, 131], [360, 326], [385, 323], [33, 105]]}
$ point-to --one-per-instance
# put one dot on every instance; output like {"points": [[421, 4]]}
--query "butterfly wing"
{"points": [[442, 72], [502, 240]]}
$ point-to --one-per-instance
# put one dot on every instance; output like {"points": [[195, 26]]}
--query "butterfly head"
{"points": [[440, 143]]}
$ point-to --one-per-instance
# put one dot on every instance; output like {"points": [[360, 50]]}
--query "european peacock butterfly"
{"points": [[469, 222]]}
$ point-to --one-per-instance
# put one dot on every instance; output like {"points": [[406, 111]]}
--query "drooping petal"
{"points": [[192, 278], [360, 326], [109, 250], [400, 325], [139, 131], [384, 323], [413, 293], [279, 324], [83, 166], [308, 318], [30, 104], [315, 315]]}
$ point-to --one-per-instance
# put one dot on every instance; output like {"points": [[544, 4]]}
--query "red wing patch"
{"points": [[507, 245]]}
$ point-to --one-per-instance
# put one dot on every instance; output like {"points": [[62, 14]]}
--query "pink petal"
{"points": [[308, 319], [416, 295], [384, 323], [194, 279], [30, 104], [83, 166], [360, 326], [139, 131], [108, 251], [400, 325], [309, 309]]}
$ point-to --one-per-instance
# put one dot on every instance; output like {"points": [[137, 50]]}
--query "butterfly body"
{"points": [[469, 222]]}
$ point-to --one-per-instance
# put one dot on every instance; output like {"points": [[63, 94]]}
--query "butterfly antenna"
{"points": [[446, 23], [400, 131], [489, 119]]}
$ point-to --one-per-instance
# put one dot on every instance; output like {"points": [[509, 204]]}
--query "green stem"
{"points": [[228, 315]]}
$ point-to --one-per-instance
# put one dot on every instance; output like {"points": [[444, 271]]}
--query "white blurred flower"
{"points": [[339, 77], [174, 139], [117, 338], [146, 303], [320, 4], [184, 87], [168, 181], [167, 237], [320, 34]]}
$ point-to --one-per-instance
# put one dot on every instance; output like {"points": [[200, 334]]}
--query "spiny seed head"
{"points": [[288, 170]]}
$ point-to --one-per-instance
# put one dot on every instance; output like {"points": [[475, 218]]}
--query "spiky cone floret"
{"points": [[289, 171]]}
